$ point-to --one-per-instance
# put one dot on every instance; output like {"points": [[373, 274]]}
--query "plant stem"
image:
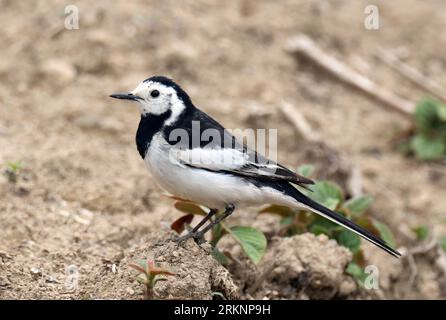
{"points": [[149, 292]]}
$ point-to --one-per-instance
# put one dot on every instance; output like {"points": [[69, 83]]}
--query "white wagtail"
{"points": [[216, 171]]}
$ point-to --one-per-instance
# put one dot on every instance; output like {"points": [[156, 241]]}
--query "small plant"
{"points": [[422, 232], [427, 139], [149, 275], [252, 241], [357, 272], [329, 194], [12, 171], [218, 295]]}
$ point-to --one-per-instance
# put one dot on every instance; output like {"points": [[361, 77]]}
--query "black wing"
{"points": [[223, 152]]}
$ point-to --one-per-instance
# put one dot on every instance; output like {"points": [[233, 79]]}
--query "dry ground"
{"points": [[84, 196]]}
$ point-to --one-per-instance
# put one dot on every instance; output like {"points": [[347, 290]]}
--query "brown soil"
{"points": [[84, 202], [197, 274]]}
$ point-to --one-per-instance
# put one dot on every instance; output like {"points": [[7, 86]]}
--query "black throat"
{"points": [[149, 125]]}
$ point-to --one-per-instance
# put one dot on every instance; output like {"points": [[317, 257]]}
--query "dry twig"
{"points": [[304, 46], [354, 182], [412, 74], [428, 246], [300, 124]]}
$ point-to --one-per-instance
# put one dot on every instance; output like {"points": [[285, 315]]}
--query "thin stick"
{"points": [[440, 262], [300, 124], [306, 47], [412, 74], [354, 183], [425, 247], [413, 271]]}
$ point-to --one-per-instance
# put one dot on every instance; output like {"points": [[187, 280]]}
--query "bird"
{"points": [[193, 157]]}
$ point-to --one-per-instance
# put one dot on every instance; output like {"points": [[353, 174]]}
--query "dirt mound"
{"points": [[300, 267], [313, 266]]}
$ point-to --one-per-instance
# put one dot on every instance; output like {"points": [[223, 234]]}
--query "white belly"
{"points": [[208, 188]]}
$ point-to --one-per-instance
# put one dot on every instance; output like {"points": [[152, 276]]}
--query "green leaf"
{"points": [[321, 225], [157, 279], [305, 170], [354, 269], [218, 231], [422, 232], [384, 232], [252, 241], [142, 279], [430, 119], [220, 256], [191, 208], [331, 203], [358, 205], [442, 243], [441, 112], [428, 148], [426, 116], [327, 194], [349, 240], [318, 229]]}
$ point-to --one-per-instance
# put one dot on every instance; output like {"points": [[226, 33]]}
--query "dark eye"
{"points": [[155, 93]]}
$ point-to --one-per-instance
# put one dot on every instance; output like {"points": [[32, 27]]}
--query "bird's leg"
{"points": [[204, 220], [194, 232], [200, 234]]}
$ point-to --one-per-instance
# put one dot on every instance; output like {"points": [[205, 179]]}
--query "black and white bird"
{"points": [[214, 170]]}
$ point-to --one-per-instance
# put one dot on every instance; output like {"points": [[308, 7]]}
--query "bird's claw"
{"points": [[199, 239]]}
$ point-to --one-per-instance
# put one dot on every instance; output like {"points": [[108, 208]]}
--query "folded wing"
{"points": [[243, 162]]}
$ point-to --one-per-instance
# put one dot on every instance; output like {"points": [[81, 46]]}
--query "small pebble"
{"points": [[72, 269], [35, 272]]}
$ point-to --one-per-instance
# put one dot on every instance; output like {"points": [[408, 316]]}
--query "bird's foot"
{"points": [[197, 236]]}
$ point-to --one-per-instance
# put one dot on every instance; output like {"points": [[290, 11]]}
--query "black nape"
{"points": [[182, 95]]}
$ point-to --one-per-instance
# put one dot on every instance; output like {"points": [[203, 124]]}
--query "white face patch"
{"points": [[157, 98]]}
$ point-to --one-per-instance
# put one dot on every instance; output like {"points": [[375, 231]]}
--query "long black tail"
{"points": [[337, 218]]}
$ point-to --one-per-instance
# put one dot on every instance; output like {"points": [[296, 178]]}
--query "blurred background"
{"points": [[82, 195]]}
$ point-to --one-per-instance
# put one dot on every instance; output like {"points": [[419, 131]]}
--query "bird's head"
{"points": [[156, 96]]}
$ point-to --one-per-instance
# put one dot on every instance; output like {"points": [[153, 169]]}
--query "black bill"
{"points": [[125, 96]]}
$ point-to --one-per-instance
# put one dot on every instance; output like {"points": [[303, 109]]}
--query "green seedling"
{"points": [[427, 139], [357, 272], [149, 275], [422, 232], [218, 295], [332, 196], [252, 241], [12, 171]]}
